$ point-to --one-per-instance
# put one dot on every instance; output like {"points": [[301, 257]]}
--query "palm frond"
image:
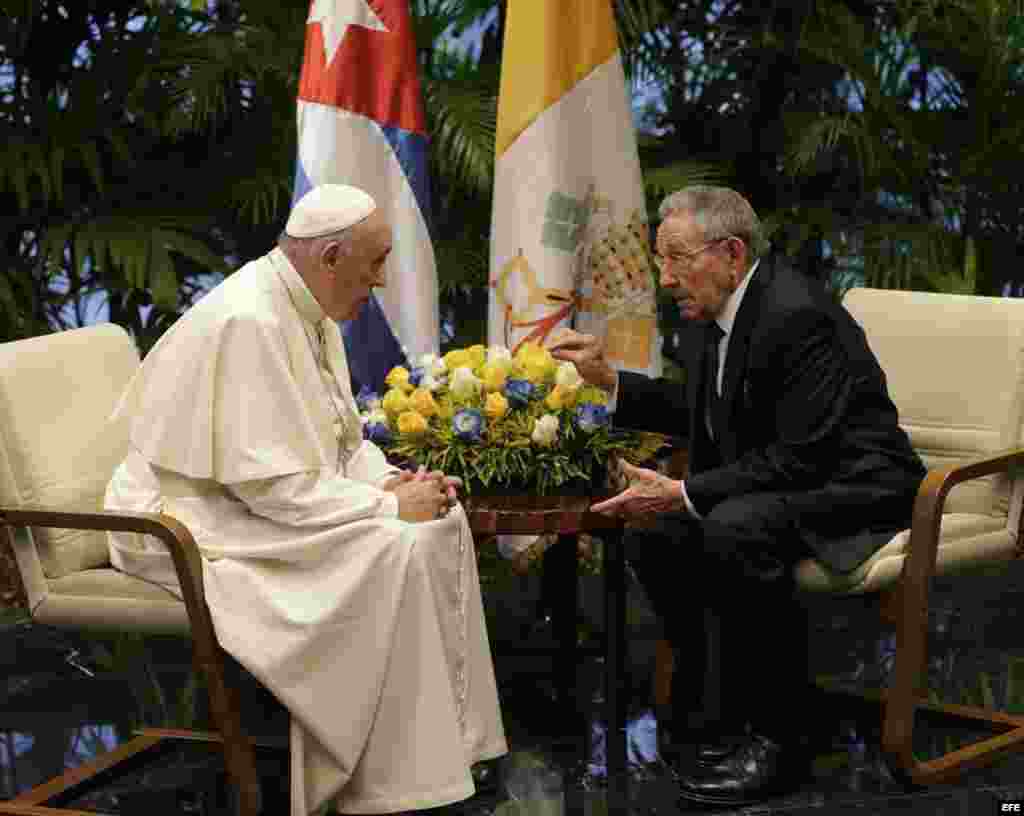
{"points": [[132, 252], [670, 177], [462, 119], [637, 21], [462, 262], [207, 76]]}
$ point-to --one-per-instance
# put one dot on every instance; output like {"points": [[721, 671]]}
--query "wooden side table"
{"points": [[568, 516]]}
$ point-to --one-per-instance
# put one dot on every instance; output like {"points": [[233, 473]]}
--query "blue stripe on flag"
{"points": [[411, 151], [302, 183], [371, 347]]}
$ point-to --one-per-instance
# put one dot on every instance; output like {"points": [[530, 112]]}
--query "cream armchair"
{"points": [[58, 450], [955, 369]]}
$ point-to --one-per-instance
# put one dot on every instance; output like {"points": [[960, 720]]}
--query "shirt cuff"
{"points": [[613, 396], [686, 501]]}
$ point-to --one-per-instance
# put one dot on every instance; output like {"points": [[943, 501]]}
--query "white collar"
{"points": [[732, 303], [305, 303]]}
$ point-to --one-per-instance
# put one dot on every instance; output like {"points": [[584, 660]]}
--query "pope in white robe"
{"points": [[343, 587]]}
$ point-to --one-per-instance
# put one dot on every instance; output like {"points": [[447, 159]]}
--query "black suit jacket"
{"points": [[804, 410]]}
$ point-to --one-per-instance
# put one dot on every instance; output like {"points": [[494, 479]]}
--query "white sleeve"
{"points": [[368, 464], [315, 499]]}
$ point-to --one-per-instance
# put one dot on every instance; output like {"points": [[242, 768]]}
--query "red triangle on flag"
{"points": [[373, 73]]}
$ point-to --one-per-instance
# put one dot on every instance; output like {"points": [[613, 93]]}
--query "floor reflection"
{"points": [[57, 712]]}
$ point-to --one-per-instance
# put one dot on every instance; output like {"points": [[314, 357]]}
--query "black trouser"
{"points": [[736, 563]]}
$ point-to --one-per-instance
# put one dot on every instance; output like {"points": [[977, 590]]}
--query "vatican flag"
{"points": [[569, 235]]}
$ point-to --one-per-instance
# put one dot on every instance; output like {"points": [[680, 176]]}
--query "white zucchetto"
{"points": [[328, 208]]}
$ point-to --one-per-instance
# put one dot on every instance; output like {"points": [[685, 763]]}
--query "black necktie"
{"points": [[712, 336]]}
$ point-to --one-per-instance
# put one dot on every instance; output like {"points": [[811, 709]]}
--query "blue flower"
{"points": [[377, 432], [590, 416], [518, 392], [367, 399], [416, 375], [468, 425]]}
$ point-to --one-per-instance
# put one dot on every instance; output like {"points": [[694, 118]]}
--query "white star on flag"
{"points": [[335, 16]]}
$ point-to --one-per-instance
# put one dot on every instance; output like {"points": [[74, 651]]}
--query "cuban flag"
{"points": [[361, 122]]}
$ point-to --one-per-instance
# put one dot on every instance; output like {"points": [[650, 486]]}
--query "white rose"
{"points": [[496, 353], [432, 364], [545, 430], [464, 384], [567, 376]]}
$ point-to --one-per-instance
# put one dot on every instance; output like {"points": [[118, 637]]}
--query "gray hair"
{"points": [[720, 212]]}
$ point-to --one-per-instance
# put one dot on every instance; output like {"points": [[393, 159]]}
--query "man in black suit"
{"points": [[795, 451]]}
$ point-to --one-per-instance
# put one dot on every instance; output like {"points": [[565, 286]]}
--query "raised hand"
{"points": [[587, 352]]}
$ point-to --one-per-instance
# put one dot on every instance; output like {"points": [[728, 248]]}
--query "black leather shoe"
{"points": [[710, 753], [681, 747], [757, 770], [486, 776]]}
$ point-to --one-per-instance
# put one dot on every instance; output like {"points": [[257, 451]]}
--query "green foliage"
{"points": [[883, 139], [507, 459], [927, 133], [128, 167]]}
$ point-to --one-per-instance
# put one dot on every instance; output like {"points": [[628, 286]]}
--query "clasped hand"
{"points": [[648, 494], [423, 495]]}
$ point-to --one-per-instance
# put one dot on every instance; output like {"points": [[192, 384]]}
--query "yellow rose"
{"points": [[537, 371], [494, 375], [457, 359], [477, 355], [398, 377], [560, 397], [445, 409], [411, 422], [423, 402], [592, 394], [536, 362], [395, 401], [496, 406], [525, 351]]}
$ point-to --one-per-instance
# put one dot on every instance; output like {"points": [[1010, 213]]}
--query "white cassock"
{"points": [[369, 629]]}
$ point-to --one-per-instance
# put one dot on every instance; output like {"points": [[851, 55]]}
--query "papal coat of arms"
{"points": [[608, 282]]}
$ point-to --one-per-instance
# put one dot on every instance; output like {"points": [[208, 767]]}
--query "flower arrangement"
{"points": [[500, 420]]}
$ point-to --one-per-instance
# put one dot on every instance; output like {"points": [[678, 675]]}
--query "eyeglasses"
{"points": [[685, 259]]}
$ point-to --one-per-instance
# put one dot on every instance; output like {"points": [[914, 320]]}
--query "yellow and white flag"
{"points": [[569, 236]]}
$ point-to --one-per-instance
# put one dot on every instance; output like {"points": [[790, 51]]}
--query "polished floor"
{"points": [[65, 698]]}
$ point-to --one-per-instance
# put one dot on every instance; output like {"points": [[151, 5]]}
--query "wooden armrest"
{"points": [[915, 586], [179, 541], [188, 565], [931, 496], [926, 520]]}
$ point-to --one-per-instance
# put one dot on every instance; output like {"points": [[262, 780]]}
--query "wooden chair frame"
{"points": [[905, 606], [239, 755]]}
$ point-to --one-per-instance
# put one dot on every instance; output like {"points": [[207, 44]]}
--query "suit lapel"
{"points": [[737, 354]]}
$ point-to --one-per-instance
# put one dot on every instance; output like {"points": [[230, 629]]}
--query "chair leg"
{"points": [[905, 697], [239, 756]]}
